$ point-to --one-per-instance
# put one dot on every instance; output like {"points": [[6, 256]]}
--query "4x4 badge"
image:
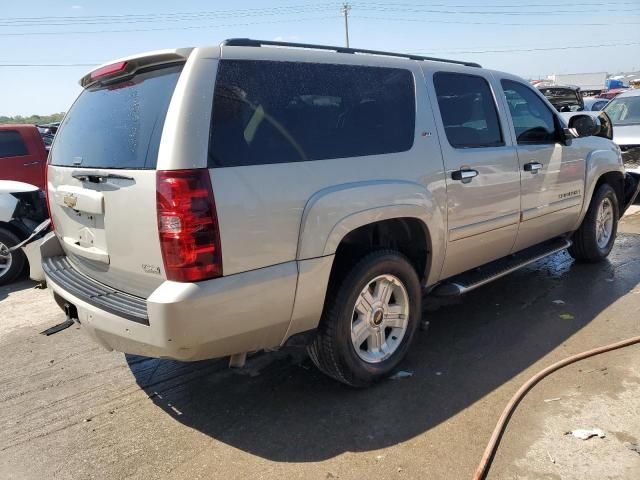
{"points": [[151, 269]]}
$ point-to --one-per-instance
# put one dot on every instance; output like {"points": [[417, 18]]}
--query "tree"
{"points": [[32, 119]]}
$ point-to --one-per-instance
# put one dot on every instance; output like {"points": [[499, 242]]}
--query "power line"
{"points": [[284, 10], [105, 19], [494, 13], [456, 52], [471, 22], [499, 5], [48, 64], [192, 27], [537, 49]]}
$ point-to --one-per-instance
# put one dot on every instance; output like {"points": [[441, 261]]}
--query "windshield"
{"points": [[119, 125], [624, 111]]}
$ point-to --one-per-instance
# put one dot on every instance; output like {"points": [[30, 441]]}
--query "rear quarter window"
{"points": [[276, 112], [119, 125], [12, 144]]}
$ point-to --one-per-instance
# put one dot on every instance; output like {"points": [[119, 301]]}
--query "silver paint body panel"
{"points": [[280, 224]]}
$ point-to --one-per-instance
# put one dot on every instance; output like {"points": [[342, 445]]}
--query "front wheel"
{"points": [[369, 320], [593, 241]]}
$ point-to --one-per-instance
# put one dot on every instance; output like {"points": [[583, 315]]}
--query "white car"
{"points": [[23, 218], [624, 111]]}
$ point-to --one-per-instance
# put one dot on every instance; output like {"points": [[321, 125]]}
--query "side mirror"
{"points": [[583, 125]]}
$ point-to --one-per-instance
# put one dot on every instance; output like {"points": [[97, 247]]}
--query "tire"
{"points": [[590, 243], [388, 328], [16, 260]]}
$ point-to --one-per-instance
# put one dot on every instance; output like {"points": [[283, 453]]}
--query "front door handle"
{"points": [[465, 175], [532, 167]]}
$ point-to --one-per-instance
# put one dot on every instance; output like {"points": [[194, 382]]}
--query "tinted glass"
{"points": [[599, 105], [468, 110], [11, 144], [274, 112], [532, 119], [624, 110], [117, 126]]}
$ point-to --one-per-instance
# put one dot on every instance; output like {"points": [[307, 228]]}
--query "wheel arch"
{"points": [[332, 215], [602, 166], [337, 216], [616, 180], [13, 229]]}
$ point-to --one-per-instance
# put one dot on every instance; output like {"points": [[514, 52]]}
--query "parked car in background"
{"points": [[23, 156], [565, 98], [624, 111], [48, 132], [613, 93], [220, 200], [594, 104]]}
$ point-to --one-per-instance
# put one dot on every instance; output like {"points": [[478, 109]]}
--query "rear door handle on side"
{"points": [[464, 175], [532, 167], [29, 164]]}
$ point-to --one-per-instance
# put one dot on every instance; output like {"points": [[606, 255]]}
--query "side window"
{"points": [[11, 144], [532, 119], [277, 112], [468, 110]]}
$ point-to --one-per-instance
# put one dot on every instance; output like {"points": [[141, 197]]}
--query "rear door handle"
{"points": [[464, 175], [28, 164], [532, 167]]}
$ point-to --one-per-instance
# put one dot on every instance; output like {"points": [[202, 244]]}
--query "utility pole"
{"points": [[345, 11]]}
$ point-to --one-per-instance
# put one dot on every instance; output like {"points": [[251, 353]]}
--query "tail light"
{"points": [[188, 225]]}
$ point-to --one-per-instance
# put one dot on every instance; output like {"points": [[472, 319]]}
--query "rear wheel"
{"points": [[593, 241], [369, 320], [12, 264]]}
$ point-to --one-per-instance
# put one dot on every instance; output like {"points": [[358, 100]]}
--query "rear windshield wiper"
{"points": [[98, 177]]}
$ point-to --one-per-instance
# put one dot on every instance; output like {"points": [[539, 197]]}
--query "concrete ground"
{"points": [[70, 410]]}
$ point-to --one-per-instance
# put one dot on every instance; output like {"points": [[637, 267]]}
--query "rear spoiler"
{"points": [[128, 66]]}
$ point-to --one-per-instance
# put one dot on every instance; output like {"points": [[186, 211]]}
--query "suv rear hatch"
{"points": [[102, 172]]}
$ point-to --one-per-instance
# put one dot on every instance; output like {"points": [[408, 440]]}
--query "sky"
{"points": [[46, 47]]}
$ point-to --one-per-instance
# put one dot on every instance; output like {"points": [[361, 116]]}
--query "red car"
{"points": [[23, 156], [611, 94]]}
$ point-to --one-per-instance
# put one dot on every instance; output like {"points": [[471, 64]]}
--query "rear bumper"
{"points": [[189, 321]]}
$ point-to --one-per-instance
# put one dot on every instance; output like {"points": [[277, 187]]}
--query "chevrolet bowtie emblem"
{"points": [[70, 201]]}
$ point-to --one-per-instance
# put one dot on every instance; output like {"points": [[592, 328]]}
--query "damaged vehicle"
{"points": [[624, 111], [565, 98], [24, 220]]}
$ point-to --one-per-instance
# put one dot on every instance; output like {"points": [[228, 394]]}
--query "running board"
{"points": [[472, 279]]}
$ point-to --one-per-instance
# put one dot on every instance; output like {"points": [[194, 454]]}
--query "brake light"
{"points": [[108, 70], [188, 225]]}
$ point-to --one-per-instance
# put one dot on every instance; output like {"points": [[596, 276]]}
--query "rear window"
{"points": [[117, 126], [468, 110], [276, 112], [12, 144]]}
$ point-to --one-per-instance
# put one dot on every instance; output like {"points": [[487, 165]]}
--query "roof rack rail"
{"points": [[248, 42]]}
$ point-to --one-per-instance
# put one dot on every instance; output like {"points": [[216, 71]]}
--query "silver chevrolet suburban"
{"points": [[210, 202]]}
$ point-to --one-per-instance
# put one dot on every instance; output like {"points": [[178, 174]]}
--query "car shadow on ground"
{"points": [[16, 286], [282, 409]]}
